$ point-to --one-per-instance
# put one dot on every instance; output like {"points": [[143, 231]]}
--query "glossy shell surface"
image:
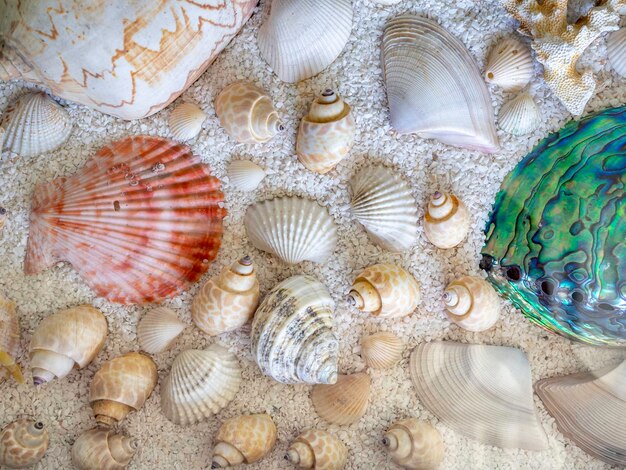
{"points": [[23, 443]]}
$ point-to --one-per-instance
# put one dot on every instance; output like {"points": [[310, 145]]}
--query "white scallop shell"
{"points": [[519, 116], [381, 350], [245, 175], [158, 330], [300, 38], [383, 203], [293, 228], [186, 121], [616, 49], [35, 124], [509, 65]]}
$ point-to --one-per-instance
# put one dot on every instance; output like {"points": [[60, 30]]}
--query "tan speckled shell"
{"points": [[381, 350], [343, 402], [509, 65], [23, 443], [158, 329], [100, 449], [9, 340], [186, 121], [414, 444], [318, 450], [446, 221], [472, 303], [244, 439]]}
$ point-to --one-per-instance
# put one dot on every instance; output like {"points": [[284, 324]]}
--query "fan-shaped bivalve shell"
{"points": [[68, 339], [244, 439], [23, 443], [9, 341], [125, 223], [200, 384], [446, 221], [293, 228], [122, 385], [318, 450], [300, 38], [414, 444], [343, 402], [509, 65], [245, 175], [383, 203], [590, 409], [381, 350], [616, 49], [482, 392], [292, 333], [101, 449], [519, 116], [186, 121], [35, 124], [472, 303], [326, 134], [158, 329], [434, 86]]}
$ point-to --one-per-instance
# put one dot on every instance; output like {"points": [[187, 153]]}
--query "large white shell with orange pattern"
{"points": [[102, 449], [414, 444], [244, 439], [472, 303], [9, 341], [127, 59], [318, 450], [23, 443], [139, 222]]}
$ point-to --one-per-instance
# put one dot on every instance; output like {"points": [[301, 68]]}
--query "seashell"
{"points": [[158, 330], [200, 384], [186, 121], [244, 439], [245, 175], [35, 124], [388, 2], [385, 291], [414, 444], [343, 402], [121, 386], [434, 86], [293, 228], [227, 301], [23, 443], [383, 203], [520, 116], [446, 221], [381, 350], [482, 392], [509, 65], [124, 223], [3, 211], [9, 341], [247, 114], [472, 303], [300, 38], [299, 304], [68, 339], [317, 449], [590, 410], [326, 134], [101, 449], [616, 50]]}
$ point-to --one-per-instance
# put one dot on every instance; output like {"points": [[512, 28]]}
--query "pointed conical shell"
{"points": [[343, 402], [293, 228], [245, 175], [200, 384], [35, 124], [101, 449], [318, 450], [519, 116], [244, 439], [482, 392], [23, 443], [472, 303], [509, 65], [446, 221], [186, 121], [381, 350], [434, 86], [247, 114], [122, 385], [158, 330], [616, 48], [414, 445], [590, 409], [124, 223], [9, 341], [383, 203], [302, 305], [326, 134], [68, 339], [300, 38], [386, 291]]}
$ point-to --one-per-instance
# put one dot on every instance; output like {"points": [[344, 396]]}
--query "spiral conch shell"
{"points": [[23, 443], [381, 350], [414, 444], [343, 402], [326, 134], [122, 385], [472, 303], [318, 450], [244, 439], [446, 221], [101, 449], [385, 291], [70, 338], [247, 114], [9, 340], [158, 329]]}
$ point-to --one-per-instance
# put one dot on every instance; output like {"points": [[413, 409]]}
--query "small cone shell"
{"points": [[186, 121], [446, 221], [509, 65], [343, 402], [381, 350], [9, 341], [244, 439], [414, 445], [101, 449], [158, 329], [245, 175], [472, 303], [23, 443], [318, 450], [519, 116]]}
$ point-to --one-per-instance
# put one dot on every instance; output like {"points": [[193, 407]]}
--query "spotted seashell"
{"points": [[472, 303], [318, 450], [446, 221], [102, 449], [414, 445], [23, 443], [244, 439]]}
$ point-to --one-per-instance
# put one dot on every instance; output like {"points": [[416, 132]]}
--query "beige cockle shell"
{"points": [[70, 338], [186, 121], [519, 116], [122, 385], [23, 443], [244, 439], [414, 444], [472, 303], [158, 329], [101, 449], [343, 402], [247, 114], [9, 341], [446, 221], [326, 134], [318, 450], [385, 291], [245, 175], [227, 301], [381, 350], [509, 65]]}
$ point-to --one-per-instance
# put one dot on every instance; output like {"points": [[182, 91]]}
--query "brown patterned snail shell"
{"points": [[317, 449], [23, 443], [244, 439], [101, 449], [414, 444]]}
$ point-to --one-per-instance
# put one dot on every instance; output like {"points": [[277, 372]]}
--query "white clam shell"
{"points": [[509, 65], [158, 330], [519, 116], [381, 350], [616, 49], [300, 38], [293, 228], [35, 124], [186, 121], [245, 175]]}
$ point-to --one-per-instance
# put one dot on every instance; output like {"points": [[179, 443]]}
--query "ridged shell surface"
{"points": [[158, 330], [244, 439], [414, 445], [616, 49], [245, 175], [381, 350], [318, 450], [472, 303], [519, 116], [124, 223], [509, 65], [23, 443], [9, 341], [186, 121], [102, 449], [343, 402]]}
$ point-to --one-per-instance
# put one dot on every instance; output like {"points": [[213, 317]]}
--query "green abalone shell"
{"points": [[556, 238]]}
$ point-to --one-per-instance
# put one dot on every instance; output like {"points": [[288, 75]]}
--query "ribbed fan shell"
{"points": [[381, 350], [519, 116], [344, 402], [509, 65], [616, 48], [158, 330], [186, 121], [245, 175]]}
